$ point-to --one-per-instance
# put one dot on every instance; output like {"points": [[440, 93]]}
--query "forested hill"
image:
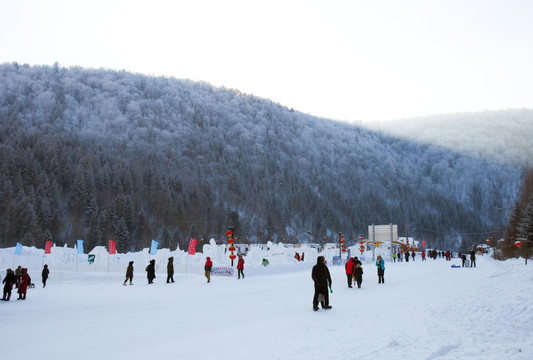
{"points": [[98, 155]]}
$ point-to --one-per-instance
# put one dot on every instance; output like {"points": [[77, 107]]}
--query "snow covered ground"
{"points": [[425, 310]]}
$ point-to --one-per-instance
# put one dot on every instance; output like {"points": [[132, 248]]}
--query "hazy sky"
{"points": [[346, 60]]}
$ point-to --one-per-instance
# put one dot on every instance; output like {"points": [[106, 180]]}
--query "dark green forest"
{"points": [[99, 154]]}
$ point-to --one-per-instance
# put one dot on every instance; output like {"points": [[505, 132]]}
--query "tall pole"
{"points": [[374, 241]]}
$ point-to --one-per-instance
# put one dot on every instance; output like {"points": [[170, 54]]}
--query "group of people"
{"points": [[354, 271], [150, 270], [21, 280]]}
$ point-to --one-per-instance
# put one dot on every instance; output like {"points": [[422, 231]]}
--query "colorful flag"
{"points": [[80, 246], [112, 247], [48, 247], [192, 246], [153, 248], [18, 249]]}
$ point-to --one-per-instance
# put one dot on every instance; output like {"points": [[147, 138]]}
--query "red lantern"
{"points": [[488, 241], [518, 243], [229, 233], [232, 256], [231, 248]]}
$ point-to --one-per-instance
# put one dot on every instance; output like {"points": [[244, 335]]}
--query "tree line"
{"points": [[99, 154]]}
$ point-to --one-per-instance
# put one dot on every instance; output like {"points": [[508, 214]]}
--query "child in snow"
{"points": [[358, 274]]}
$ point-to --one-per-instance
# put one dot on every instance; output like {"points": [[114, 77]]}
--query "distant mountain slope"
{"points": [[503, 136], [97, 155]]}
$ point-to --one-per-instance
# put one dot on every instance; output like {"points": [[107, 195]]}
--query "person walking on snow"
{"points": [[44, 274], [322, 278], [380, 264], [207, 267], [170, 270], [150, 272], [350, 267], [240, 267], [8, 282], [358, 274], [129, 273]]}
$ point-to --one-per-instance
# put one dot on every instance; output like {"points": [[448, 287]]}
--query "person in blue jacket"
{"points": [[380, 263]]}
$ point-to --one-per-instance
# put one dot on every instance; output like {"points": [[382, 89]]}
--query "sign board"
{"points": [[222, 271], [337, 260], [383, 233]]}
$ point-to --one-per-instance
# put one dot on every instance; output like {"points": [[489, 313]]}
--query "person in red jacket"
{"points": [[350, 267], [240, 267], [207, 267], [25, 280]]}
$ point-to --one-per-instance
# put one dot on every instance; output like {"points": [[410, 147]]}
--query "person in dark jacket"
{"points": [[8, 282], [350, 267], [150, 271], [358, 274], [44, 274], [322, 279], [170, 270], [207, 267], [129, 274], [473, 258]]}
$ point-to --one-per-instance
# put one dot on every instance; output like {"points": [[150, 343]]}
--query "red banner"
{"points": [[112, 247], [48, 247], [192, 246]]}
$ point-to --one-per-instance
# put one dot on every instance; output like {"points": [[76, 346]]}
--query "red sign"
{"points": [[112, 247], [424, 243], [48, 247], [192, 246]]}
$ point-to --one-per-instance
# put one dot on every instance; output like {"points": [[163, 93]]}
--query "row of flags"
{"points": [[112, 248]]}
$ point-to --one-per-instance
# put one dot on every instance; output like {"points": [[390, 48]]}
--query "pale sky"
{"points": [[341, 59]]}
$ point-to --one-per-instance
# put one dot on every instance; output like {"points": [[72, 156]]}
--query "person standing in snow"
{"points": [[18, 275], [394, 256], [407, 256], [150, 271], [463, 259], [170, 270], [322, 278], [380, 264], [25, 281], [240, 267], [358, 274], [44, 274], [207, 267], [129, 274], [350, 267], [473, 257], [8, 282]]}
